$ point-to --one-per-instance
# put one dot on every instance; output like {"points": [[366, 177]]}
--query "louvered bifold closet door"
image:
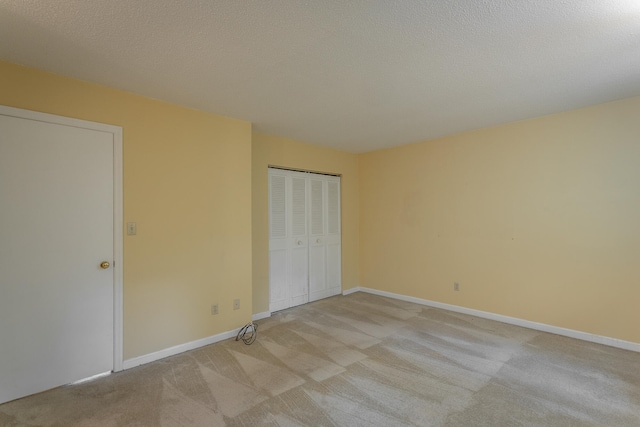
{"points": [[278, 252], [317, 239], [304, 239], [325, 269], [300, 244], [333, 237], [288, 240]]}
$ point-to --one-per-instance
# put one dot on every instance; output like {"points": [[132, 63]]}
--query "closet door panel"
{"points": [[333, 206], [334, 270], [299, 275], [317, 276], [299, 272], [298, 199], [279, 280], [277, 207], [317, 250], [317, 207], [333, 239]]}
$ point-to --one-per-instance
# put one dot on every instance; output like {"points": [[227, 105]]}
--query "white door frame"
{"points": [[116, 131]]}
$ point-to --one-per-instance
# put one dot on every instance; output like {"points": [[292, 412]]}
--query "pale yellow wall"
{"points": [[535, 219], [187, 183], [273, 151], [538, 220]]}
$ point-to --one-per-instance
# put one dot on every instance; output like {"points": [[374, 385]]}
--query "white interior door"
{"points": [[304, 237], [56, 228]]}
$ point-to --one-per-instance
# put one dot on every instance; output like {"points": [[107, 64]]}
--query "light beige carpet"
{"points": [[361, 360]]}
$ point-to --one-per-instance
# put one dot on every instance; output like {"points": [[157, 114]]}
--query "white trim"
{"points": [[571, 333], [118, 257], [177, 349], [60, 120], [352, 290], [260, 316], [91, 378], [116, 131]]}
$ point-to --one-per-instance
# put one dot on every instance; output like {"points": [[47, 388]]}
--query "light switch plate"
{"points": [[132, 228]]}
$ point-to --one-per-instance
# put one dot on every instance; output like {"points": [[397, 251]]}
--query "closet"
{"points": [[304, 237]]}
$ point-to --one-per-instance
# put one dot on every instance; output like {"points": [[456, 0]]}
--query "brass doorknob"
{"points": [[104, 265]]}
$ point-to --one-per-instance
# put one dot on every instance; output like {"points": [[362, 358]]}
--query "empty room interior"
{"points": [[425, 213]]}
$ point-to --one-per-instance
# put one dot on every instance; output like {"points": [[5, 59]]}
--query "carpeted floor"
{"points": [[361, 360]]}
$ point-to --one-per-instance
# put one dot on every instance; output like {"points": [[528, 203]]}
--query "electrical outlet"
{"points": [[456, 286], [214, 308], [236, 304]]}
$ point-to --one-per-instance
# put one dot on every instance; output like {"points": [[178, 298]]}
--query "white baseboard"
{"points": [[181, 348], [584, 336], [259, 316], [352, 290]]}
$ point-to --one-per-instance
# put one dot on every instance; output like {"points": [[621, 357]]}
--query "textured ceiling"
{"points": [[358, 75]]}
